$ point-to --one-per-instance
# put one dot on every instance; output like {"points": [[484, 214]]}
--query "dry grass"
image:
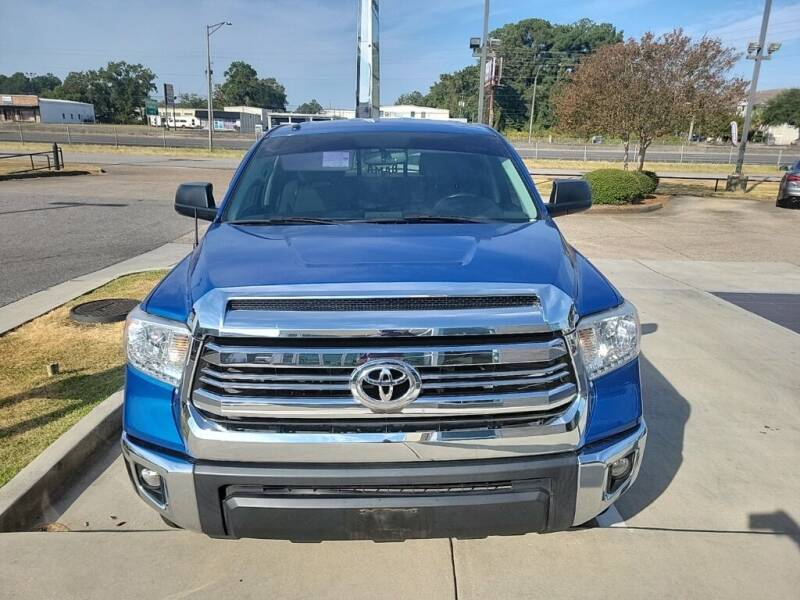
{"points": [[123, 150], [36, 409], [12, 166], [672, 187], [658, 167]]}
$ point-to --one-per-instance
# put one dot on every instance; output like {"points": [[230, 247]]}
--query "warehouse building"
{"points": [[25, 108]]}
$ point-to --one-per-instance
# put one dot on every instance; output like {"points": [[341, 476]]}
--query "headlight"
{"points": [[156, 346], [609, 340]]}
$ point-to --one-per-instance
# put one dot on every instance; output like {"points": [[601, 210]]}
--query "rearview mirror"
{"points": [[569, 196], [196, 198]]}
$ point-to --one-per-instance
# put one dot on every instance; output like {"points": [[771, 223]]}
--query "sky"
{"points": [[309, 45]]}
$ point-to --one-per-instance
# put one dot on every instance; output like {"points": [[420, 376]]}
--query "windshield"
{"points": [[393, 184]]}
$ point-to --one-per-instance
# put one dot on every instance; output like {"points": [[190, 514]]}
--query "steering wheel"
{"points": [[462, 204]]}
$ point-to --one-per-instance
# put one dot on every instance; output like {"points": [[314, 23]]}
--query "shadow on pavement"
{"points": [[778, 522], [666, 413]]}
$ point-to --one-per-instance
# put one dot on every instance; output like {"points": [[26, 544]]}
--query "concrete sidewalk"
{"points": [[714, 514]]}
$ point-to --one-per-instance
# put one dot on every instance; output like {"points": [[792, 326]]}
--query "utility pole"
{"points": [[755, 52], [482, 73], [368, 61], [210, 30], [533, 102]]}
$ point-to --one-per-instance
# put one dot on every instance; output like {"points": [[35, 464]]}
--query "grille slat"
{"points": [[404, 303]]}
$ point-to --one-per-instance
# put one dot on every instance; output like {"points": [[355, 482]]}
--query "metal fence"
{"points": [[39, 161], [143, 135]]}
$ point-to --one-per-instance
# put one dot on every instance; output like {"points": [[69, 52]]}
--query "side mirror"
{"points": [[569, 196], [784, 167], [196, 198]]}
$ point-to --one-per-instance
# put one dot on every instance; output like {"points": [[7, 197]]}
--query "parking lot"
{"points": [[714, 513]]}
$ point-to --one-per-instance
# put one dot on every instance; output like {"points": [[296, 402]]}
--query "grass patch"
{"points": [[123, 150], [36, 409]]}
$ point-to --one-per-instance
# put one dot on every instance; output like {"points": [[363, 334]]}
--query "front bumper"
{"points": [[313, 502]]}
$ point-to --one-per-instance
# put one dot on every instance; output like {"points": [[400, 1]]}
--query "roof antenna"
{"points": [[368, 61]]}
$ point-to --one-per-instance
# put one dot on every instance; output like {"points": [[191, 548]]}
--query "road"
{"points": [[55, 229], [714, 514], [144, 136]]}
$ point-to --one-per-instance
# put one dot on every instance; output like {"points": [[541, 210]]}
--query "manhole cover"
{"points": [[109, 310]]}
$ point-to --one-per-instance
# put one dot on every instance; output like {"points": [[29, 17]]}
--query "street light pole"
{"points": [[484, 46], [748, 115], [210, 29], [533, 102]]}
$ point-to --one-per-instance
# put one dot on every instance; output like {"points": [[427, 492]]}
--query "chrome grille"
{"points": [[273, 379]]}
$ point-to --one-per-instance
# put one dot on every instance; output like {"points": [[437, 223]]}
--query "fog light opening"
{"points": [[150, 478], [619, 472], [151, 483]]}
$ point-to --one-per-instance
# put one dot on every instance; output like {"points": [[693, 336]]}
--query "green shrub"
{"points": [[653, 178], [615, 186]]}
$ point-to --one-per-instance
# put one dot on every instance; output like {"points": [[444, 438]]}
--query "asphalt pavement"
{"points": [[56, 229]]}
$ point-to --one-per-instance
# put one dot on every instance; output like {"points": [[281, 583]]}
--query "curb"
{"points": [[41, 174], [624, 209], [35, 488]]}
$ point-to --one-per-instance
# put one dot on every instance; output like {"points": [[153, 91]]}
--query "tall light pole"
{"points": [[756, 53], [210, 30], [533, 102], [484, 47], [368, 61]]}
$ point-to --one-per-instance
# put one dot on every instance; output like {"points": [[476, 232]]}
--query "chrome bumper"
{"points": [[182, 506]]}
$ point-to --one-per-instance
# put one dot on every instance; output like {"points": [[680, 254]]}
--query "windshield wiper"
{"points": [[285, 221], [425, 219]]}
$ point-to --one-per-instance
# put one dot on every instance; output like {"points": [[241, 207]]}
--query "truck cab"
{"points": [[382, 335]]}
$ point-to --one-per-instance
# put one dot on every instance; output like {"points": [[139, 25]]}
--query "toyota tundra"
{"points": [[382, 335]]}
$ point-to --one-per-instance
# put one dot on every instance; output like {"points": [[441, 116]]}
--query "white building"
{"points": [[410, 111], [65, 111], [26, 107], [399, 111], [781, 135]]}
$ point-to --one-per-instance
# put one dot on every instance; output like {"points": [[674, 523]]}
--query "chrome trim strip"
{"points": [[345, 407], [351, 357], [211, 317]]}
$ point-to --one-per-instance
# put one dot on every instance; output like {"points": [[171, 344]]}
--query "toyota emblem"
{"points": [[385, 385]]}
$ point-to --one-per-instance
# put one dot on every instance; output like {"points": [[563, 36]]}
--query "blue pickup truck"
{"points": [[382, 335]]}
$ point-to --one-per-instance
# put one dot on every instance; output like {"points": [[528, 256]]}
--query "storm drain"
{"points": [[109, 310]]}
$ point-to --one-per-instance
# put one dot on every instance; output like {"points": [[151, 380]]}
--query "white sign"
{"points": [[734, 133]]}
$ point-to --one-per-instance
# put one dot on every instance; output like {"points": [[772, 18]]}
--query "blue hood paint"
{"points": [[237, 255]]}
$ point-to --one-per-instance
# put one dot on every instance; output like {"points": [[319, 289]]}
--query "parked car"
{"points": [[789, 189], [382, 335]]}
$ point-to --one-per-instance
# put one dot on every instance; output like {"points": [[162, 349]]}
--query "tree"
{"points": [[457, 92], [20, 83], [310, 108], [643, 89], [190, 100], [242, 87], [524, 47], [118, 90], [783, 109], [414, 98]]}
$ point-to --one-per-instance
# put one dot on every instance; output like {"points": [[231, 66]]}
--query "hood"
{"points": [[238, 255]]}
